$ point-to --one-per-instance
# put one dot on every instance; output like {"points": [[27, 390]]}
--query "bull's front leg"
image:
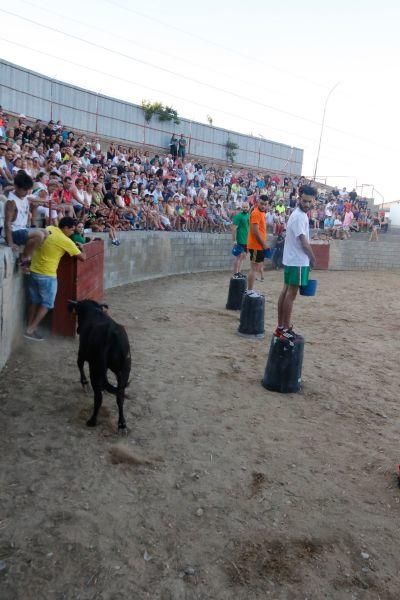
{"points": [[81, 362]]}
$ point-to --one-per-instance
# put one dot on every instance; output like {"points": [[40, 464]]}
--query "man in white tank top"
{"points": [[16, 217]]}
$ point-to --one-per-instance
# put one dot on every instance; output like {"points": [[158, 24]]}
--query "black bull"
{"points": [[104, 344]]}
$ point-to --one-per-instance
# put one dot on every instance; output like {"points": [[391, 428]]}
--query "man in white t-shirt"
{"points": [[329, 208], [297, 259]]}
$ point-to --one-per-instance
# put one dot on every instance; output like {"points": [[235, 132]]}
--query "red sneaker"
{"points": [[286, 335]]}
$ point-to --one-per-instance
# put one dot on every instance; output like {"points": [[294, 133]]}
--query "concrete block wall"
{"points": [[141, 255], [12, 304], [352, 255], [149, 254]]}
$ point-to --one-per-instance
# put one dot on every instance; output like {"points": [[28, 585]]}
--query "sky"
{"points": [[258, 67]]}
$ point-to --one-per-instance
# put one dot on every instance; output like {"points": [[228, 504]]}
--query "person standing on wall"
{"points": [[240, 233], [173, 146], [298, 257], [257, 240], [182, 147]]}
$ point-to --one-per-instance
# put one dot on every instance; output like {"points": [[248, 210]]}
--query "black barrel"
{"points": [[284, 365], [252, 315], [237, 288]]}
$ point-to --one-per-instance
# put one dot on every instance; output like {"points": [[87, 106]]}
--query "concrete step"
{"points": [[387, 237]]}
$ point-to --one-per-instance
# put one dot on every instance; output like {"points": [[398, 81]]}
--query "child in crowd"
{"points": [[78, 236]]}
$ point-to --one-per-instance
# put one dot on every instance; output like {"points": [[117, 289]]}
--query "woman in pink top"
{"points": [[347, 221]]}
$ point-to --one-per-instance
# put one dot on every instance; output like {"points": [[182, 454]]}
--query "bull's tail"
{"points": [[111, 389]]}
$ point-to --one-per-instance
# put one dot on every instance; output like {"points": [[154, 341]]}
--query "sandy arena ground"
{"points": [[236, 492]]}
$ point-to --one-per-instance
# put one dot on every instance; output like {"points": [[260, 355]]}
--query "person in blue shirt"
{"points": [[328, 225]]}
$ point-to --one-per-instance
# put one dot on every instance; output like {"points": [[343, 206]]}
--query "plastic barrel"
{"points": [[237, 287], [284, 365], [252, 315], [310, 289]]}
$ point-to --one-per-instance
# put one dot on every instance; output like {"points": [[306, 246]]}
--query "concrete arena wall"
{"points": [[147, 255], [12, 304], [141, 255], [349, 255]]}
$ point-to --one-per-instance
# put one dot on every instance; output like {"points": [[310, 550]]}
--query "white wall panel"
{"points": [[40, 97]]}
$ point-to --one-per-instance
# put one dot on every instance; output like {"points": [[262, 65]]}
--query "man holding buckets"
{"points": [[240, 232], [298, 257], [257, 240]]}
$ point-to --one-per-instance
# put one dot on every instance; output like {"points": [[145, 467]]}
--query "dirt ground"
{"points": [[234, 492]]}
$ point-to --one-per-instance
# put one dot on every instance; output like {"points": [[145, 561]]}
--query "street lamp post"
{"points": [[322, 127], [259, 148]]}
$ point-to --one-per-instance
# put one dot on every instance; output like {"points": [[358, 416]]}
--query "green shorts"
{"points": [[296, 275]]}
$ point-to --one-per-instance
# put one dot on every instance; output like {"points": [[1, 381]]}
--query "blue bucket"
{"points": [[268, 253], [236, 250], [310, 289]]}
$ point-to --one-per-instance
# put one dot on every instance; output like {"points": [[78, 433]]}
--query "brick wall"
{"points": [[321, 252]]}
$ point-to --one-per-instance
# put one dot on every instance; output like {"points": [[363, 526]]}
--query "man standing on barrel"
{"points": [[257, 240], [298, 257]]}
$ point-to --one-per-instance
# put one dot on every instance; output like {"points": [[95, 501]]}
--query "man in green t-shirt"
{"points": [[240, 232]]}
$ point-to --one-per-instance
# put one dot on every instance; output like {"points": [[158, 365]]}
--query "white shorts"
{"points": [[43, 211]]}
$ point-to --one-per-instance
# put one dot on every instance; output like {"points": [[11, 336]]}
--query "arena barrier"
{"points": [[148, 255]]}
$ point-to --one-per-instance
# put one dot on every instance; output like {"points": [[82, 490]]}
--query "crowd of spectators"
{"points": [[126, 188]]}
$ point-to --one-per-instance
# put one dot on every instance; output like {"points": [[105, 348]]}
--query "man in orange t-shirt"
{"points": [[257, 240]]}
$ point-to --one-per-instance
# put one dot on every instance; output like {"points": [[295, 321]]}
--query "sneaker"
{"points": [[25, 264], [35, 336], [286, 335]]}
